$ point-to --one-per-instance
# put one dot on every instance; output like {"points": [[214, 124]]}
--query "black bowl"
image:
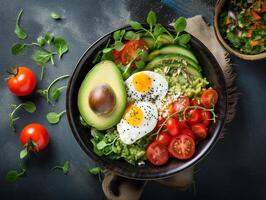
{"points": [[211, 70]]}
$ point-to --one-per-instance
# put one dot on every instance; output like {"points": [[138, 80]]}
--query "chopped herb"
{"points": [[55, 16], [53, 117]]}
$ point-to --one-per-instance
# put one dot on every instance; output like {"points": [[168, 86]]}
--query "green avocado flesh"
{"points": [[103, 73]]}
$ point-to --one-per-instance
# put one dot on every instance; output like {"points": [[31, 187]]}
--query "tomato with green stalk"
{"points": [[34, 138]]}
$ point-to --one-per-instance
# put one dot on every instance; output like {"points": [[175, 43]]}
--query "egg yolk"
{"points": [[133, 115], [142, 82]]}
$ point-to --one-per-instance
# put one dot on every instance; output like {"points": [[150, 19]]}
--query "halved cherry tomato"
{"points": [[34, 137], [172, 126], [182, 147], [181, 104], [117, 56], [206, 117], [193, 115], [188, 132], [182, 125], [209, 98], [157, 153], [199, 130], [164, 138], [22, 81], [131, 49]]}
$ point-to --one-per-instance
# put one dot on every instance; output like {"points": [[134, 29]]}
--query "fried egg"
{"points": [[146, 86], [139, 119]]}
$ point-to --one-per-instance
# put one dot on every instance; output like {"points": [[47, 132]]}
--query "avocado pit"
{"points": [[102, 99]]}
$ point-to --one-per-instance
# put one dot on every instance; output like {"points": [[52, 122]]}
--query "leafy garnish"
{"points": [[17, 48], [151, 19], [95, 170], [64, 168], [55, 16], [46, 92], [61, 46], [19, 31], [27, 106], [12, 176], [53, 117]]}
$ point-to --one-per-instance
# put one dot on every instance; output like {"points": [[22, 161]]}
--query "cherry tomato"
{"points": [[209, 98], [164, 138], [172, 126], [182, 125], [182, 147], [206, 117], [157, 153], [35, 137], [117, 56], [193, 115], [22, 81], [199, 130], [181, 104], [188, 132], [131, 49], [195, 102], [159, 123]]}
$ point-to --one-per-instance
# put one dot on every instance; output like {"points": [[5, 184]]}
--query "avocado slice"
{"points": [[104, 73]]}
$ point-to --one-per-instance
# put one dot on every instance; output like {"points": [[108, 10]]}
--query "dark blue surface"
{"points": [[234, 169]]}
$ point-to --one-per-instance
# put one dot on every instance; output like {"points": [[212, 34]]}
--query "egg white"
{"points": [[158, 91], [130, 134]]}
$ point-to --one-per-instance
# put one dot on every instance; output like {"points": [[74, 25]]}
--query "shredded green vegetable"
{"points": [[109, 144]]}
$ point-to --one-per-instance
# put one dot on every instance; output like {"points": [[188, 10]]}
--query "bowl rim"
{"points": [[221, 40], [193, 161]]}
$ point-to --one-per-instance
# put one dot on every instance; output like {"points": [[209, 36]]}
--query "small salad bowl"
{"points": [[211, 70], [219, 7]]}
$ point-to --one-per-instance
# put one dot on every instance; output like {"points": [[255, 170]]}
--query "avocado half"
{"points": [[107, 73]]}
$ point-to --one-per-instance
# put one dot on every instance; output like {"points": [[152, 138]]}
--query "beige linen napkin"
{"points": [[119, 188]]}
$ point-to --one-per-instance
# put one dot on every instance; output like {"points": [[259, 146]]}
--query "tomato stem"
{"points": [[183, 111]]}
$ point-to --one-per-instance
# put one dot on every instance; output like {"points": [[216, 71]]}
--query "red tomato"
{"points": [[195, 102], [157, 153], [188, 132], [164, 138], [131, 49], [159, 123], [181, 104], [182, 125], [117, 56], [199, 130], [255, 15], [206, 117], [209, 98], [172, 126], [35, 137], [182, 147], [193, 115], [22, 81]]}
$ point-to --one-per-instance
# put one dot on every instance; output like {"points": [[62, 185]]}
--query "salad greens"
{"points": [[12, 176], [110, 145], [55, 16], [51, 94], [53, 117], [19, 31], [47, 45], [243, 25], [27, 106], [64, 168]]}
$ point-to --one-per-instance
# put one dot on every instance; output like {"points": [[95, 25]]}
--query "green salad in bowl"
{"points": [[146, 100]]}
